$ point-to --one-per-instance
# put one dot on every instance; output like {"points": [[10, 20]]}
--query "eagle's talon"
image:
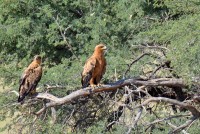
{"points": [[99, 85], [94, 68], [93, 86], [30, 78]]}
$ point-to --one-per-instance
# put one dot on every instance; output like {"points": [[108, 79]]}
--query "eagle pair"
{"points": [[93, 71]]}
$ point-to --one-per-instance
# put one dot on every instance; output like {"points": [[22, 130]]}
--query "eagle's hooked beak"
{"points": [[105, 49]]}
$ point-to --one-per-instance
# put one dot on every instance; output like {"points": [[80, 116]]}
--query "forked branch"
{"points": [[106, 88], [192, 109]]}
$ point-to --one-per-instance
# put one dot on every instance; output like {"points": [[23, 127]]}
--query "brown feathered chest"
{"points": [[99, 69], [29, 80], [94, 69]]}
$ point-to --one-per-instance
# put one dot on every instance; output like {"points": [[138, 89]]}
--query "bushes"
{"points": [[65, 33]]}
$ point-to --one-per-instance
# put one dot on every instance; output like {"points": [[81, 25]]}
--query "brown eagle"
{"points": [[94, 68], [30, 78]]}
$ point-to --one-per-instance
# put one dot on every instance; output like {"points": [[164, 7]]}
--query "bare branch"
{"points": [[47, 96], [164, 119], [63, 32], [121, 83], [60, 28], [186, 124], [136, 120], [151, 18], [158, 68], [67, 118], [189, 107], [152, 46], [137, 59], [137, 117], [174, 127], [193, 110], [53, 115], [54, 86], [15, 92]]}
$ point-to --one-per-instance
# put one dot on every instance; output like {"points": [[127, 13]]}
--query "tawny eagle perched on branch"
{"points": [[30, 78], [95, 67]]}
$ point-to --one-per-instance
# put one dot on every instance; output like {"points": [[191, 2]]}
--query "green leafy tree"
{"points": [[149, 38]]}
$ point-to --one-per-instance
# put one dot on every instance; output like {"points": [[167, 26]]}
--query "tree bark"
{"points": [[171, 82]]}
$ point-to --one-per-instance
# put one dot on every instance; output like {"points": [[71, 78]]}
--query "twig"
{"points": [[192, 109], [137, 117], [53, 114], [69, 117], [174, 127], [186, 124], [151, 18], [150, 47], [54, 86], [121, 83], [107, 88], [136, 120], [158, 68], [164, 119], [110, 125], [137, 59], [63, 32], [189, 107], [15, 92]]}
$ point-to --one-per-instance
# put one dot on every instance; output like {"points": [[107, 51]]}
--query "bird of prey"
{"points": [[94, 68], [30, 78]]}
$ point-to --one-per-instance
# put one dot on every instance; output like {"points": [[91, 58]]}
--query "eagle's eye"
{"points": [[38, 58]]}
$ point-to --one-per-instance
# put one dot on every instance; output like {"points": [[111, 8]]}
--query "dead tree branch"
{"points": [[49, 87], [192, 109], [137, 118], [63, 34], [137, 59], [166, 63], [150, 46], [110, 87], [186, 124], [164, 119], [189, 107]]}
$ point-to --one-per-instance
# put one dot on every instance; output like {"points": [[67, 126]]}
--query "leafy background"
{"points": [[65, 32]]}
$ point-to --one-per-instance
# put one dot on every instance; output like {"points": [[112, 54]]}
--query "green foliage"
{"points": [[65, 33], [182, 40], [96, 128]]}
